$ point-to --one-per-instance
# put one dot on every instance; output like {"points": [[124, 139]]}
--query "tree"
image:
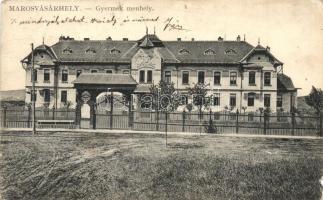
{"points": [[315, 100], [164, 96], [199, 93]]}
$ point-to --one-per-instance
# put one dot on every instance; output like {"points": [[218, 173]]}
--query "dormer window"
{"points": [[115, 51], [183, 51], [90, 50], [209, 52], [67, 50], [230, 52]]}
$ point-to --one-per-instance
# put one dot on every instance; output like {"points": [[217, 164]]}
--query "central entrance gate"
{"points": [[89, 86]]}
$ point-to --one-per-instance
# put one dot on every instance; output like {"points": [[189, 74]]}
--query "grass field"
{"points": [[139, 166]]}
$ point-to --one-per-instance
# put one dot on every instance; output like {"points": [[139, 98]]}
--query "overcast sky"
{"points": [[292, 28]]}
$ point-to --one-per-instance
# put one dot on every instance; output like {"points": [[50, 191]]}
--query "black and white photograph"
{"points": [[177, 99]]}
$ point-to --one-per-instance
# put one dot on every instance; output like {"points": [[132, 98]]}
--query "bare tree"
{"points": [[315, 100]]}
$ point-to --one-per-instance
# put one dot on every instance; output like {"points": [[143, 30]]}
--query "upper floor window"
{"points": [[94, 71], [233, 100], [46, 75], [233, 78], [209, 52], [279, 100], [90, 50], [267, 78], [64, 75], [115, 51], [183, 51], [230, 52], [252, 78], [67, 50], [217, 78], [108, 71], [185, 77], [149, 76], [267, 100], [34, 75], [201, 77], [78, 72], [142, 76], [168, 75]]}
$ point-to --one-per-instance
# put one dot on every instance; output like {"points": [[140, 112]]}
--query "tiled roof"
{"points": [[225, 51], [284, 83], [100, 78], [71, 50]]}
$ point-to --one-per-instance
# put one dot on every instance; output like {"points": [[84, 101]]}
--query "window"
{"points": [[64, 75], [250, 117], [94, 71], [64, 96], [78, 73], [233, 78], [185, 77], [267, 78], [233, 100], [279, 100], [31, 96], [183, 51], [216, 99], [115, 51], [209, 52], [230, 52], [267, 100], [126, 71], [252, 78], [149, 76], [46, 75], [217, 78], [46, 95], [168, 75], [34, 75], [217, 116], [251, 99], [67, 51], [200, 77], [142, 76], [90, 50], [108, 71]]}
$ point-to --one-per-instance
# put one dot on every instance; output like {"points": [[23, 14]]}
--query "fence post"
{"points": [[157, 119], [94, 117], [4, 116], [29, 116], [265, 122], [321, 122], [53, 113], [130, 119], [293, 122], [166, 126], [183, 120], [237, 121]]}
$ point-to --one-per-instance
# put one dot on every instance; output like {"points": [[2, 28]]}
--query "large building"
{"points": [[239, 75]]}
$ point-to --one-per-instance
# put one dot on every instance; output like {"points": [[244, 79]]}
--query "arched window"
{"points": [[209, 52], [90, 50], [230, 52], [67, 50], [183, 51], [115, 51]]}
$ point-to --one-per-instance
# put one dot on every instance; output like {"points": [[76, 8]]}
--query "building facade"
{"points": [[238, 75]]}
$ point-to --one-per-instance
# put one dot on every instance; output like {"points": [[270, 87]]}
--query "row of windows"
{"points": [[233, 100], [46, 94], [217, 78]]}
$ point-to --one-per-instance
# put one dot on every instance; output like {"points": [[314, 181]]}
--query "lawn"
{"points": [[139, 166]]}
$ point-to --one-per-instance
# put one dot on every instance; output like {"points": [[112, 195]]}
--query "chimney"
{"points": [[220, 38], [193, 39], [87, 39], [238, 38], [109, 38], [125, 39], [179, 39], [268, 48]]}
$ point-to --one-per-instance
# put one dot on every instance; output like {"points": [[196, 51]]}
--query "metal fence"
{"points": [[221, 122]]}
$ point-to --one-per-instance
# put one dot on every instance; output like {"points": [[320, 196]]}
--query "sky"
{"points": [[292, 28]]}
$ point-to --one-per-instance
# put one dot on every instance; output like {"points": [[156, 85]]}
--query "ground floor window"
{"points": [[251, 99], [279, 100], [267, 100], [216, 99], [233, 100], [46, 95], [149, 76], [64, 96]]}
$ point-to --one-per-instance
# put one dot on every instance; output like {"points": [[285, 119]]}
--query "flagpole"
{"points": [[33, 90]]}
